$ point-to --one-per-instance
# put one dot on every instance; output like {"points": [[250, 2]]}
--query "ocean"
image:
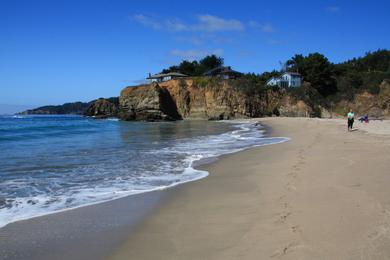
{"points": [[54, 163]]}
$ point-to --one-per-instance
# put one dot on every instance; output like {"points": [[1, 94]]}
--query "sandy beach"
{"points": [[322, 195]]}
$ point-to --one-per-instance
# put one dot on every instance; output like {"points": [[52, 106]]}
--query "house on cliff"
{"points": [[223, 72], [287, 80], [161, 77]]}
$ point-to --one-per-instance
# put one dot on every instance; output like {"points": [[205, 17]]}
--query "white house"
{"points": [[288, 80], [165, 76]]}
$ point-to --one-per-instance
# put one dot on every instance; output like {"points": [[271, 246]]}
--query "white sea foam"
{"points": [[175, 166]]}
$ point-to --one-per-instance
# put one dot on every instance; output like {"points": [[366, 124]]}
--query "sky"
{"points": [[53, 52]]}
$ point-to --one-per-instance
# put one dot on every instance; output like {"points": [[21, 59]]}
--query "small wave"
{"points": [[172, 165], [18, 117]]}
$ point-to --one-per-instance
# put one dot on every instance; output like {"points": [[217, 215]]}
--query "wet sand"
{"points": [[323, 195], [89, 232]]}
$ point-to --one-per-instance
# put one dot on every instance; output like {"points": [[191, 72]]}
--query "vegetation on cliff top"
{"points": [[331, 83], [325, 80], [196, 68], [325, 83]]}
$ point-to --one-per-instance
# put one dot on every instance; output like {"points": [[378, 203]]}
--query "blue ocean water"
{"points": [[54, 163]]}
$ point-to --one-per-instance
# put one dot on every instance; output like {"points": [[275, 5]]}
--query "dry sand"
{"points": [[323, 195]]}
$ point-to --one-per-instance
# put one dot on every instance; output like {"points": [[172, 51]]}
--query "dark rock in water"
{"points": [[5, 203], [32, 202], [103, 108], [2, 202]]}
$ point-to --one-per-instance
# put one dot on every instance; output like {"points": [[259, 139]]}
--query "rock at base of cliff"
{"points": [[147, 103], [103, 108]]}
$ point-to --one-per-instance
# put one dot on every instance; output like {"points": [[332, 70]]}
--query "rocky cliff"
{"points": [[224, 99], [103, 108], [375, 106], [147, 102], [188, 99]]}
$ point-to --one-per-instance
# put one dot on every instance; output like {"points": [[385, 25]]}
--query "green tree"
{"points": [[211, 61], [188, 67], [316, 69], [364, 73], [196, 68]]}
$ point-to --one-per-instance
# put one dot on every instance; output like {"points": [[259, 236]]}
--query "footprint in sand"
{"points": [[285, 249], [291, 187], [284, 217], [296, 168], [292, 174], [296, 229]]}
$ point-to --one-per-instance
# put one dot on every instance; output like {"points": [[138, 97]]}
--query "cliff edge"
{"points": [[197, 98]]}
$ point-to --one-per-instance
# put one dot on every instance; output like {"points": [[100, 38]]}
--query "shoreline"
{"points": [[194, 166], [15, 244]]}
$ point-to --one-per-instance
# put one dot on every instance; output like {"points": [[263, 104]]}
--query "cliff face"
{"points": [[219, 101], [293, 108], [186, 99], [216, 99], [148, 102], [102, 108], [375, 106]]}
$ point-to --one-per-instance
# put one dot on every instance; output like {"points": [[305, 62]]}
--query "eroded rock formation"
{"points": [[187, 99], [147, 102], [102, 108]]}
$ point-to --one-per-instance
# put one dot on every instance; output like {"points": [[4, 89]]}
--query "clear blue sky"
{"points": [[52, 52]]}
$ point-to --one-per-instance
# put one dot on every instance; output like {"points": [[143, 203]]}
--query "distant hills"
{"points": [[76, 108], [73, 108]]}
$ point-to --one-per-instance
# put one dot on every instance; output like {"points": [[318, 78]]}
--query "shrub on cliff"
{"points": [[310, 96], [249, 84], [201, 82], [255, 84]]}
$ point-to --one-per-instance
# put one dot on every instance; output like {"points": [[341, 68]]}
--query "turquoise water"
{"points": [[54, 163]]}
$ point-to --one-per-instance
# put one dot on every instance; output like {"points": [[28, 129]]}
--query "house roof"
{"points": [[292, 73], [162, 75], [220, 70], [273, 78]]}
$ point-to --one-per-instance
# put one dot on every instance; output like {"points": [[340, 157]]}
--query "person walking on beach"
{"points": [[351, 118]]}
